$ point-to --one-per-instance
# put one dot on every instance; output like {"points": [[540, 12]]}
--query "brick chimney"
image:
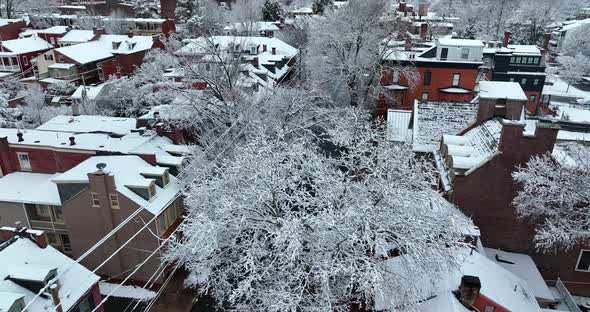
{"points": [[424, 31], [20, 135], [72, 141], [403, 7], [520, 147], [264, 48], [255, 62], [423, 9], [490, 108], [274, 51], [168, 9], [159, 129], [546, 39], [98, 31], [36, 236], [469, 289], [5, 158], [55, 296], [506, 38]]}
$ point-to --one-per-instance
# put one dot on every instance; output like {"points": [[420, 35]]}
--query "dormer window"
{"points": [[152, 190], [116, 44], [160, 175]]}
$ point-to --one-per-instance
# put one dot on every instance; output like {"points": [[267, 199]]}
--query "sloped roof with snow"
{"points": [[501, 90], [29, 188], [148, 143], [498, 284], [432, 120], [106, 47], [92, 92], [398, 125], [26, 45], [23, 254], [78, 36], [204, 45], [54, 30], [89, 124], [461, 42], [524, 267], [252, 26], [127, 171]]}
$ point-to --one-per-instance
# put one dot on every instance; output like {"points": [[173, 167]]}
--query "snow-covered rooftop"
{"points": [[148, 143], [460, 42], [5, 21], [398, 125], [524, 267], [252, 26], [54, 30], [432, 120], [92, 92], [77, 36], [106, 47], [497, 284], [29, 188], [23, 255], [205, 45], [501, 90], [26, 45], [89, 124], [127, 171]]}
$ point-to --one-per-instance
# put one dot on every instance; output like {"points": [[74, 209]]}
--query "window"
{"points": [[207, 67], [518, 60], [584, 261], [530, 60], [24, 161], [52, 40], [165, 178], [58, 215], [464, 53], [25, 61], [114, 198], [395, 76], [60, 59], [523, 81], [536, 82], [456, 80], [427, 78], [171, 215], [42, 211], [95, 201], [425, 97], [511, 79], [537, 60], [533, 98], [152, 190], [512, 60], [489, 309], [51, 239]]}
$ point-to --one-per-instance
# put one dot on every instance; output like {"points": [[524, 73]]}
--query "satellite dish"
{"points": [[101, 166]]}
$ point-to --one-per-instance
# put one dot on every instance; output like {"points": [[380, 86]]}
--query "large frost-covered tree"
{"points": [[344, 55], [271, 11], [289, 224], [555, 196]]}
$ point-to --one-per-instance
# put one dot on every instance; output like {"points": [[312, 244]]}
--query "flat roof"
{"points": [[501, 90]]}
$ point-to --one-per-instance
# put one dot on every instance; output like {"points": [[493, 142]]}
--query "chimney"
{"points": [[156, 115], [424, 31], [506, 39], [511, 135], [98, 31], [546, 39], [264, 48], [408, 45], [274, 51], [423, 9], [72, 141], [403, 7], [55, 296], [255, 62], [37, 236], [75, 108], [159, 129], [130, 34], [469, 289], [546, 134], [20, 136]]}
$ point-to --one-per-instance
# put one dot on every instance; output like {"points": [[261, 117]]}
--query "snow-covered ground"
{"points": [[126, 291], [560, 88]]}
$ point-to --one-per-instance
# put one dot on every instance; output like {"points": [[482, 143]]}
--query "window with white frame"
{"points": [[152, 190], [489, 309], [95, 200], [395, 76], [24, 161], [425, 97], [523, 82], [533, 98], [25, 61], [464, 53], [456, 80], [584, 261], [536, 82], [114, 199]]}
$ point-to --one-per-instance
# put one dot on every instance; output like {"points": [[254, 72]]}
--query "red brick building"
{"points": [[448, 71], [10, 28], [476, 174], [16, 55]]}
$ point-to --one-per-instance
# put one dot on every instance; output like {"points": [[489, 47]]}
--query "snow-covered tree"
{"points": [[199, 17], [346, 50], [555, 196], [319, 6], [288, 224], [36, 111], [271, 11], [16, 8], [577, 41], [573, 68], [146, 8]]}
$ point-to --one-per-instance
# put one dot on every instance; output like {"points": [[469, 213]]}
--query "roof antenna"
{"points": [[101, 166]]}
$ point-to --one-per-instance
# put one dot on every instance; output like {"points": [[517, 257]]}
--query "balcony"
{"points": [[9, 68], [47, 225]]}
